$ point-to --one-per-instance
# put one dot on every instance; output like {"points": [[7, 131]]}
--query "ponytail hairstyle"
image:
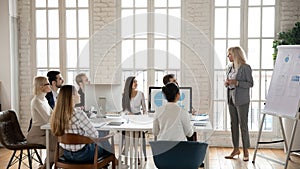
{"points": [[170, 90]]}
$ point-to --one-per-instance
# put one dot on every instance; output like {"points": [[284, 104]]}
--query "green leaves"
{"points": [[290, 37]]}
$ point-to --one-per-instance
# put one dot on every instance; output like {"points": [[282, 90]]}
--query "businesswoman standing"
{"points": [[238, 82]]}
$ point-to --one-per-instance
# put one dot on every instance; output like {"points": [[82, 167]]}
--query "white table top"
{"points": [[137, 123]]}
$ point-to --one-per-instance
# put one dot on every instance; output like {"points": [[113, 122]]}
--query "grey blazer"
{"points": [[244, 77]]}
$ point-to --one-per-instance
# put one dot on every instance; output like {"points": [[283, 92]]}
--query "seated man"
{"points": [[81, 80]]}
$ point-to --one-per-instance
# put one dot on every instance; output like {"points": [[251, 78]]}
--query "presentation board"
{"points": [[284, 91]]}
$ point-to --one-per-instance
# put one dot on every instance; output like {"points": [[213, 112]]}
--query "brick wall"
{"points": [[289, 11], [197, 58], [104, 61], [25, 63], [196, 55]]}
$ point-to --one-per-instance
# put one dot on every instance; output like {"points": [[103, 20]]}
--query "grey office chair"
{"points": [[178, 155]]}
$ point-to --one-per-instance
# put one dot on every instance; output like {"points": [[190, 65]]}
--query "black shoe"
{"points": [[202, 165]]}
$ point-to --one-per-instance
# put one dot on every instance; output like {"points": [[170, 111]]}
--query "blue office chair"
{"points": [[178, 154]]}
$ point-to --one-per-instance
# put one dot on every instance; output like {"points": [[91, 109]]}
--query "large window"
{"points": [[61, 43], [149, 30], [250, 24]]}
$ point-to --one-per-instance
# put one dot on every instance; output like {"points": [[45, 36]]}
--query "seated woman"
{"points": [[67, 119], [40, 115], [133, 101], [171, 122]]}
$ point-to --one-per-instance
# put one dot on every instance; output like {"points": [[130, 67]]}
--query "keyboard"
{"points": [[200, 117]]}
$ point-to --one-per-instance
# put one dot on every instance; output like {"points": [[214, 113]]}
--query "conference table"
{"points": [[133, 124]]}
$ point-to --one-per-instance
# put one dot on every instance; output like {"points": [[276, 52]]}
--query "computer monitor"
{"points": [[104, 98], [157, 99]]}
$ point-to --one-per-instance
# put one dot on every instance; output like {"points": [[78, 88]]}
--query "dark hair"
{"points": [[167, 78], [127, 93], [170, 90], [52, 75]]}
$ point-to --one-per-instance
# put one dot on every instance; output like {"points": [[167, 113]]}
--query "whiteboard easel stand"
{"points": [[289, 148]]}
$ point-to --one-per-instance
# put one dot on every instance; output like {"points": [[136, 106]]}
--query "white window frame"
{"points": [[68, 73], [150, 76], [244, 43]]}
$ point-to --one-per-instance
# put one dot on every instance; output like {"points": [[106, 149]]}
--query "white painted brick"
{"points": [[104, 12]]}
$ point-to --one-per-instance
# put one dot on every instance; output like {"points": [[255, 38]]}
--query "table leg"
{"points": [[141, 147], [130, 149], [120, 150], [127, 140], [47, 149], [136, 155]]}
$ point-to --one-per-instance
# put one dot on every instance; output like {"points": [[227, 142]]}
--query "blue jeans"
{"points": [[86, 154]]}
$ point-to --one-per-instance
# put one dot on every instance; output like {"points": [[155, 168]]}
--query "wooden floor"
{"points": [[216, 160]]}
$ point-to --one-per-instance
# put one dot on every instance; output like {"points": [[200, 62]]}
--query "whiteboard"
{"points": [[284, 91]]}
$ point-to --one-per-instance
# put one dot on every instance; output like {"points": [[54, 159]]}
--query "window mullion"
{"points": [[134, 39], [77, 37], [62, 38], [244, 25], [150, 43], [47, 34]]}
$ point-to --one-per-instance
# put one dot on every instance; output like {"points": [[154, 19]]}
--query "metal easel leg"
{"points": [[291, 144], [258, 138], [283, 133]]}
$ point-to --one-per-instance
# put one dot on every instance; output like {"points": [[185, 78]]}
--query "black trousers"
{"points": [[193, 137]]}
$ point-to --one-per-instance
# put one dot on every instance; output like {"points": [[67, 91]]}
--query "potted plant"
{"points": [[290, 37]]}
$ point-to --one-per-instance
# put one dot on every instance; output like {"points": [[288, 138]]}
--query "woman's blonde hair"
{"points": [[238, 55], [63, 110], [38, 83]]}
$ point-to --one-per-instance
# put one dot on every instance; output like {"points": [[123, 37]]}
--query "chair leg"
{"points": [[114, 163], [20, 159], [29, 158], [11, 159], [38, 156]]}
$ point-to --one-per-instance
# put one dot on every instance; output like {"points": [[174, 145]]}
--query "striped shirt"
{"points": [[80, 124]]}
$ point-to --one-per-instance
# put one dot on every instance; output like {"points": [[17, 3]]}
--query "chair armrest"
{"points": [[100, 139]]}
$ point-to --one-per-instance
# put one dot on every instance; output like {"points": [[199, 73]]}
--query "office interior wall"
{"points": [[105, 63], [197, 12], [5, 73], [25, 61], [196, 52]]}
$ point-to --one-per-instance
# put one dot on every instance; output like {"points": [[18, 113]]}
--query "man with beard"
{"points": [[56, 80]]}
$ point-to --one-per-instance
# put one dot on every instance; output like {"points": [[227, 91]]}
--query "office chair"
{"points": [[178, 154], [98, 162], [12, 138]]}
